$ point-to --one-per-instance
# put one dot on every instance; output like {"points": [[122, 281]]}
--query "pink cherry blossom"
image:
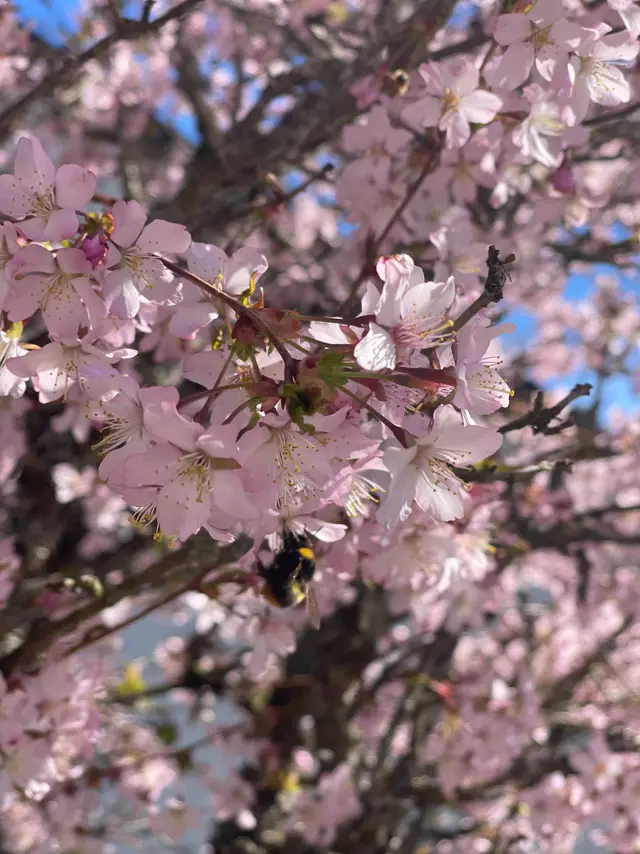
{"points": [[232, 797], [355, 487], [629, 11], [453, 103], [194, 476], [412, 319], [459, 252], [234, 275], [71, 483], [541, 35], [458, 637], [48, 198], [8, 247], [539, 137], [376, 140], [422, 472], [285, 464], [133, 268], [317, 815], [58, 365], [270, 639], [464, 170], [593, 75], [123, 424], [59, 286], [480, 389], [10, 384]]}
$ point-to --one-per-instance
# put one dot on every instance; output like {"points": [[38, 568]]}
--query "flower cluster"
{"points": [[475, 568], [288, 422]]}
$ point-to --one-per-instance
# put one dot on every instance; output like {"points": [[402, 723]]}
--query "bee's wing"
{"points": [[313, 611]]}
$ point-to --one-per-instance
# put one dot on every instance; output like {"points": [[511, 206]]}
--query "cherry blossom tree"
{"points": [[357, 275]]}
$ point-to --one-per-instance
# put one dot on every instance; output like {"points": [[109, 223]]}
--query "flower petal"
{"points": [[32, 166], [162, 236], [243, 270], [120, 294], [424, 113], [229, 496], [61, 225], [74, 186], [515, 66], [377, 350], [511, 28], [128, 218], [480, 106], [15, 198]]}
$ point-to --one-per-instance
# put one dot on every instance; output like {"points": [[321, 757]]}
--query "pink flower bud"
{"points": [[562, 180], [95, 248]]}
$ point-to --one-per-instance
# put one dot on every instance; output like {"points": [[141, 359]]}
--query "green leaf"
{"points": [[132, 681], [330, 369], [167, 732]]}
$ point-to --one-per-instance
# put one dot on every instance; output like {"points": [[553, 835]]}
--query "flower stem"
{"points": [[192, 398], [399, 433], [244, 405]]}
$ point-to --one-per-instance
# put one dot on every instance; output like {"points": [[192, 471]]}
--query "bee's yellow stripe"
{"points": [[306, 553], [297, 593]]}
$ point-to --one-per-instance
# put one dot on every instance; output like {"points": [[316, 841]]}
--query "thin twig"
{"points": [[605, 118], [540, 416], [398, 432], [252, 315], [493, 287], [372, 249], [491, 474]]}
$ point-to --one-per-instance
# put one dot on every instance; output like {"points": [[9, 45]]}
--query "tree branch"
{"points": [[540, 417], [174, 571], [493, 287]]}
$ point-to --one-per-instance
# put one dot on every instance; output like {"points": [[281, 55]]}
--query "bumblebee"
{"points": [[288, 578], [395, 83]]}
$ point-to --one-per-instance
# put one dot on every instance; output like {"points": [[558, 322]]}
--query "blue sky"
{"points": [[53, 19]]}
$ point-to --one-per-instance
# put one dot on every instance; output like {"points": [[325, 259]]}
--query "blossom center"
{"points": [[377, 150], [59, 284], [42, 204], [450, 101], [288, 475], [362, 491], [541, 37], [434, 466], [118, 430], [197, 469], [423, 332]]}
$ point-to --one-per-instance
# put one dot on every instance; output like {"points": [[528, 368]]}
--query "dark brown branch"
{"points": [[373, 246], [540, 417], [605, 253], [493, 287], [174, 571], [508, 474], [250, 314], [605, 118]]}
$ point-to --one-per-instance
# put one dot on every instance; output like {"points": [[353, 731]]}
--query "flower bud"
{"points": [[562, 179]]}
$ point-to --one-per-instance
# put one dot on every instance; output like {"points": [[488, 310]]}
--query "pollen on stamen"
{"points": [[362, 491], [143, 516]]}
